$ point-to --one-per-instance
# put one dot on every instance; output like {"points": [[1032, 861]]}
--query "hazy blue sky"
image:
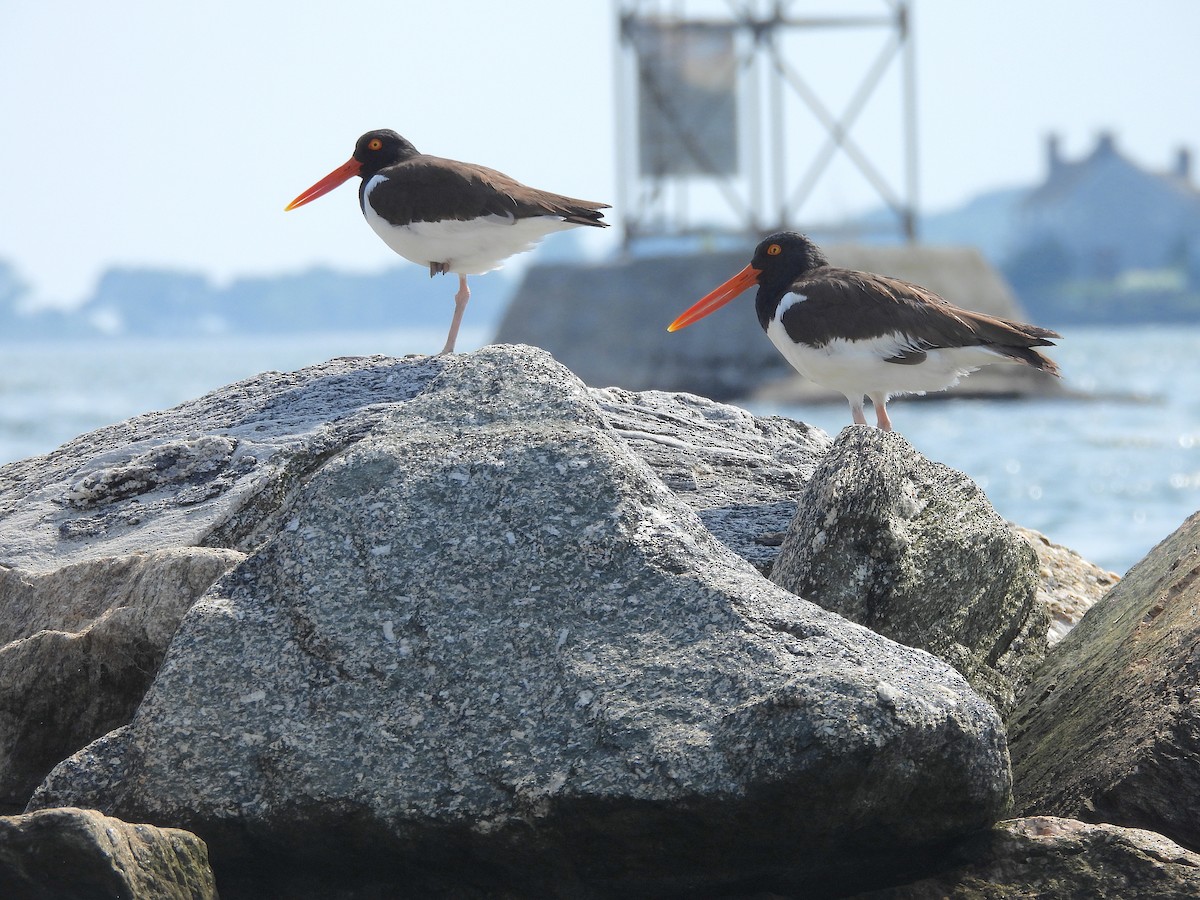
{"points": [[164, 134]]}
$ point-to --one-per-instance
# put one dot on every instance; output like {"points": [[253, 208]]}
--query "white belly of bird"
{"points": [[469, 247], [858, 368]]}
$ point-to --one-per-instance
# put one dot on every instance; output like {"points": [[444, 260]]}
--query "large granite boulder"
{"points": [[78, 648], [1109, 731], [213, 471], [80, 642], [72, 854], [913, 550], [1059, 859], [477, 645]]}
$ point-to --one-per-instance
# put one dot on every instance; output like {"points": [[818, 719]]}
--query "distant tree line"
{"points": [[162, 302]]}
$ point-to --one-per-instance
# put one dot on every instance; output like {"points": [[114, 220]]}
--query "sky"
{"points": [[143, 133]]}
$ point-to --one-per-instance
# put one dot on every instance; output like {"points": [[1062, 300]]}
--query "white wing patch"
{"points": [[858, 368], [788, 301], [471, 246]]}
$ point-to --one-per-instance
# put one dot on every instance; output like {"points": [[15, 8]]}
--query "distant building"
{"points": [[1104, 215], [1100, 239]]}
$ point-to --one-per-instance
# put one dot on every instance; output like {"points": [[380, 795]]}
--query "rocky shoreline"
{"points": [[462, 626]]}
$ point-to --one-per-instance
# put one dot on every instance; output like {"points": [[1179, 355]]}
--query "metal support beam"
{"points": [[762, 193]]}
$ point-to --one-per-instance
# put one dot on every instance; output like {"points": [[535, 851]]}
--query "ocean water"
{"points": [[1108, 476], [51, 391]]}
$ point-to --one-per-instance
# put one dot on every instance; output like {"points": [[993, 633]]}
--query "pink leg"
{"points": [[881, 416], [856, 409], [460, 307]]}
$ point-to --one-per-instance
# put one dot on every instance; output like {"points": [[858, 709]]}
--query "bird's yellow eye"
{"points": [[375, 144], [774, 250]]}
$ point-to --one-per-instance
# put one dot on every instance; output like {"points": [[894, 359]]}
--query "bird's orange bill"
{"points": [[738, 284], [341, 174]]}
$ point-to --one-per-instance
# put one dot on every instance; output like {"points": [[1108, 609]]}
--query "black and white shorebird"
{"points": [[867, 335], [450, 216]]}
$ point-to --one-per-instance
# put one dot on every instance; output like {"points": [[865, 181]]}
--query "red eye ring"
{"points": [[774, 250], [375, 144]]}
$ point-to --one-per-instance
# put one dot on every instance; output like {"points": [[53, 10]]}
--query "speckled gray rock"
{"points": [[1109, 731], [912, 549], [78, 648], [487, 648], [65, 854], [1048, 858], [742, 474]]}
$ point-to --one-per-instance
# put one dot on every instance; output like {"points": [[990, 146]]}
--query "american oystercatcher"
{"points": [[867, 335], [451, 216]]}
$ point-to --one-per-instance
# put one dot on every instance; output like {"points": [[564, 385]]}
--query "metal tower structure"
{"points": [[707, 109]]}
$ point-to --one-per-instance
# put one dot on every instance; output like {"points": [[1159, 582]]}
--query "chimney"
{"points": [[1053, 155], [1183, 164], [1106, 145]]}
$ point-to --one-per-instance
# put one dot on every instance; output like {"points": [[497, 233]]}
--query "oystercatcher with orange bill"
{"points": [[450, 216], [867, 335]]}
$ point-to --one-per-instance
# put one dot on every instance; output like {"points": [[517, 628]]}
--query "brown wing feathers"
{"points": [[891, 306], [426, 189], [956, 327]]}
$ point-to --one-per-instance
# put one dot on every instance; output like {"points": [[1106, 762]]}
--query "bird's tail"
{"points": [[584, 212], [1015, 340], [1029, 356]]}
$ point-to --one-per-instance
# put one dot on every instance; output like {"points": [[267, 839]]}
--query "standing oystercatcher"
{"points": [[451, 216], [867, 335]]}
